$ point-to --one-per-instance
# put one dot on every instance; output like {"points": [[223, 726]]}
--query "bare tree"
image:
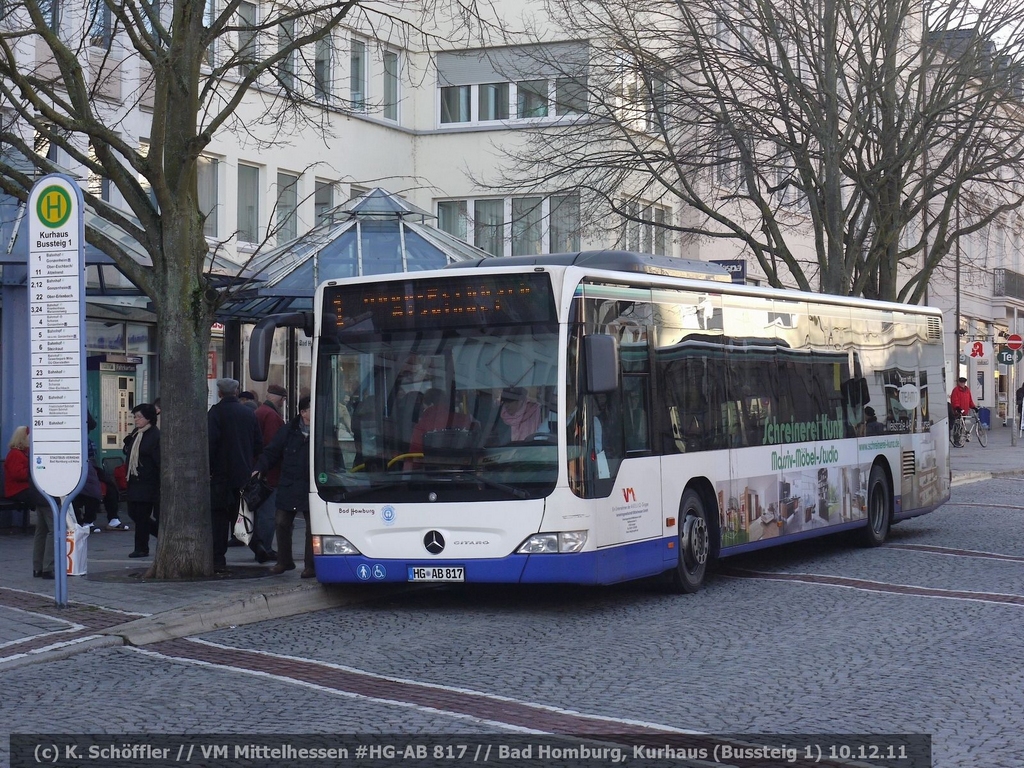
{"points": [[60, 63], [881, 133]]}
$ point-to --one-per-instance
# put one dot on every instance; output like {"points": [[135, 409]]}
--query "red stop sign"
{"points": [[1014, 341]]}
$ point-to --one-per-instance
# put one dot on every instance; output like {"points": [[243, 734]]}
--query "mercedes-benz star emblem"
{"points": [[434, 542]]}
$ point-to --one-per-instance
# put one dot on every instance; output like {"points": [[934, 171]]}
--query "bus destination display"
{"points": [[415, 304]]}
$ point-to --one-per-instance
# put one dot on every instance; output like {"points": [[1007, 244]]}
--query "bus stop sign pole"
{"points": [[56, 283]]}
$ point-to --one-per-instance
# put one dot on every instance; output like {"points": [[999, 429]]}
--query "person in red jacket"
{"points": [[961, 399], [270, 417], [18, 487]]}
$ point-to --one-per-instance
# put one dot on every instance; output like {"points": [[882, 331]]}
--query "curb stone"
{"points": [[59, 654], [248, 609]]}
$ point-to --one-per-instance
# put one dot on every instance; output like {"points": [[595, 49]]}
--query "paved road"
{"points": [[923, 635]]}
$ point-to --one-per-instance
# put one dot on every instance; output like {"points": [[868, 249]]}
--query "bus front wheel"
{"points": [[694, 544], [879, 508]]}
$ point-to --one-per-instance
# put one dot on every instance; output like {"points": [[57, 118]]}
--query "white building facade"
{"points": [[428, 120]]}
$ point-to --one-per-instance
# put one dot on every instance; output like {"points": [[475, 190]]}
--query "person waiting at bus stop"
{"points": [[19, 486], [961, 398], [289, 450]]}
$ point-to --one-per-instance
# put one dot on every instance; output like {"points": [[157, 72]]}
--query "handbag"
{"points": [[244, 522], [256, 491]]}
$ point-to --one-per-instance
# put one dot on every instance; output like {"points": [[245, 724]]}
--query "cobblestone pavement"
{"points": [[923, 635]]}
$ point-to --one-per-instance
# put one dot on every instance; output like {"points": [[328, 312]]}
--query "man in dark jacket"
{"points": [[290, 451], [234, 444]]}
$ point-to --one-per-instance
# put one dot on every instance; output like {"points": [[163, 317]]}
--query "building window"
{"points": [[657, 113], [51, 11], [644, 227], [286, 66], [533, 98], [570, 96], [357, 75], [476, 88], [726, 171], [489, 226], [207, 171], [492, 101], [323, 201], [248, 204], [538, 224], [564, 229], [287, 206], [42, 145], [391, 85], [723, 33], [455, 104], [631, 233], [247, 45], [322, 69], [210, 15], [527, 219], [99, 24], [453, 218], [660, 232], [143, 181], [99, 185]]}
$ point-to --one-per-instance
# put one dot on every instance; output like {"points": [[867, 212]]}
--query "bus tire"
{"points": [[694, 545], [879, 508]]}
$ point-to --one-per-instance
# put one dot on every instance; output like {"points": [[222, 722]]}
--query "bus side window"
{"points": [[605, 437], [634, 398]]}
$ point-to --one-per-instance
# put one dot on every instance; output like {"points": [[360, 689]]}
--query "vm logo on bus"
{"points": [[628, 494]]}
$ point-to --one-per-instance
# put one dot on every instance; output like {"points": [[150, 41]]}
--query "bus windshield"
{"points": [[458, 409]]}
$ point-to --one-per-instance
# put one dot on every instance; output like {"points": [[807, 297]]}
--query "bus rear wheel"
{"points": [[694, 545], [879, 508]]}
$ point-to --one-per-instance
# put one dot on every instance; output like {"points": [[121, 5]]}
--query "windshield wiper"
{"points": [[362, 490], [457, 476], [471, 477]]}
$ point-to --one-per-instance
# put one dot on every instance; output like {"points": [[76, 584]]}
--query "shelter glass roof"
{"points": [[375, 234]]}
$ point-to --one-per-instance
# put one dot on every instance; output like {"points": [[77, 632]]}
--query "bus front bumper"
{"points": [[605, 566]]}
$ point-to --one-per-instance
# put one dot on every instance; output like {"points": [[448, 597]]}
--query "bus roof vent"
{"points": [[934, 329], [618, 261]]}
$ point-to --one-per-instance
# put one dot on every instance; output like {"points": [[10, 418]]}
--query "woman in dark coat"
{"points": [[290, 449], [142, 453]]}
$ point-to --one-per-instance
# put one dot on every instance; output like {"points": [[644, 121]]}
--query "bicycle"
{"points": [[961, 432]]}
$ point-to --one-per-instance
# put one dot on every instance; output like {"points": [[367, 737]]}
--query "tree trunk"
{"points": [[185, 547]]}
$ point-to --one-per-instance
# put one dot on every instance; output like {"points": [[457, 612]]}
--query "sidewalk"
{"points": [[972, 462], [152, 611], [139, 612]]}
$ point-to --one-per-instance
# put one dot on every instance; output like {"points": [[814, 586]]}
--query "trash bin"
{"points": [[985, 417]]}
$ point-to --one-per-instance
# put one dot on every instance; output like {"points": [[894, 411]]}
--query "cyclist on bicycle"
{"points": [[961, 398]]}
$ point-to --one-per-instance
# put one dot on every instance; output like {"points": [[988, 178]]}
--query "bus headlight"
{"points": [[333, 545], [563, 542]]}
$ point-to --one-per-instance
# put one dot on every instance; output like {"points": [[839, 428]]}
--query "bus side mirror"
{"points": [[262, 340], [601, 361]]}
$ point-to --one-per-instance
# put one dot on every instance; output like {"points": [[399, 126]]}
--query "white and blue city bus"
{"points": [[604, 416]]}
